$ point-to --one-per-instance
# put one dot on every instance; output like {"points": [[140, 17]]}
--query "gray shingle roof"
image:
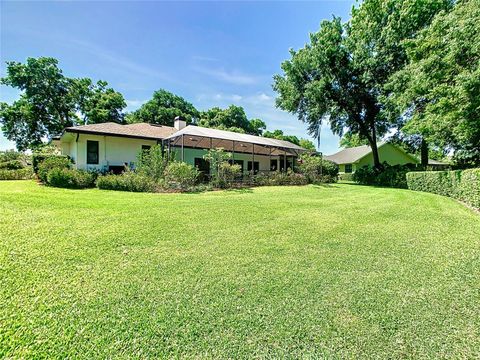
{"points": [[233, 136], [140, 130], [351, 155]]}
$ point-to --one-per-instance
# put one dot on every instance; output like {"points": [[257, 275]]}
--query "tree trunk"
{"points": [[376, 158], [424, 153]]}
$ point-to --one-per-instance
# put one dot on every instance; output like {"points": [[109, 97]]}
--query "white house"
{"points": [[111, 146]]}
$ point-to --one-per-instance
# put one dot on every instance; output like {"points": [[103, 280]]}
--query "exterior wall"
{"points": [[390, 154], [191, 154], [387, 153], [118, 151], [113, 151]]}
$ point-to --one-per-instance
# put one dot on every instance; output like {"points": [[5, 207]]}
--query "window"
{"points": [[146, 147], [237, 162], [288, 162], [348, 168], [255, 166], [274, 165], [92, 152]]}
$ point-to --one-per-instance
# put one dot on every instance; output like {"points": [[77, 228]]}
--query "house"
{"points": [[351, 159], [111, 146]]}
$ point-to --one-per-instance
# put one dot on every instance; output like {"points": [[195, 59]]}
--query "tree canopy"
{"points": [[163, 108], [349, 140], [50, 101], [232, 118], [339, 76], [438, 92]]}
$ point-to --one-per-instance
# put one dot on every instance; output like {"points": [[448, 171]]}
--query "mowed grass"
{"points": [[340, 272]]}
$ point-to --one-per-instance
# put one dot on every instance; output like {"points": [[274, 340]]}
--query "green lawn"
{"points": [[343, 271]]}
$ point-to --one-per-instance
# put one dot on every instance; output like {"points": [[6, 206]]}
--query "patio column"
{"points": [[284, 160], [233, 153], [183, 151], [270, 161], [253, 158]]}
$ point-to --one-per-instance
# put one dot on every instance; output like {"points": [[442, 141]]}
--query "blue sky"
{"points": [[211, 53]]}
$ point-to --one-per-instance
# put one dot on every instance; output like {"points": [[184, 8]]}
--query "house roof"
{"points": [[354, 154], [436, 162], [139, 130], [233, 136], [351, 155]]}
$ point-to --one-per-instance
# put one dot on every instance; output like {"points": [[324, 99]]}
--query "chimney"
{"points": [[179, 123]]}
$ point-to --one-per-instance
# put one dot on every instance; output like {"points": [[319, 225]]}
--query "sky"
{"points": [[210, 53]]}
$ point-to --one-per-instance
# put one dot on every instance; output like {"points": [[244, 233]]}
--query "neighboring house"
{"points": [[351, 159], [111, 146]]}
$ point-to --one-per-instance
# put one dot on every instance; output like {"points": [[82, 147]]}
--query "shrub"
{"points": [[12, 165], [462, 185], [20, 174], [346, 177], [49, 163], [390, 176], [180, 175], [279, 178], [315, 168], [227, 174], [152, 162], [70, 178], [127, 181], [43, 153]]}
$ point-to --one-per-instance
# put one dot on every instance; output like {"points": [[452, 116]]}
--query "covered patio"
{"points": [[242, 146]]}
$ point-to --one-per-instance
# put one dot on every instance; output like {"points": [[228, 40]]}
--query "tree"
{"points": [[438, 92], [278, 134], [49, 102], [307, 144], [349, 140], [339, 76], [96, 103], [257, 127], [163, 108]]}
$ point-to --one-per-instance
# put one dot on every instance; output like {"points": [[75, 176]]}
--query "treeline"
{"points": [[51, 101], [405, 67]]}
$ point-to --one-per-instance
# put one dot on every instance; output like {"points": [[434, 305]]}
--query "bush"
{"points": [[128, 181], [279, 178], [70, 178], [49, 163], [227, 174], [152, 162], [12, 165], [315, 168], [20, 174], [180, 175], [346, 177], [462, 185], [390, 176]]}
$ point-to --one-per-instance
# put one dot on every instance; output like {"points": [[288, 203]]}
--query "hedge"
{"points": [[462, 185], [20, 174], [70, 178], [37, 159]]}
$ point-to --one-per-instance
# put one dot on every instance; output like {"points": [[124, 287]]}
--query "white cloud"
{"points": [[118, 60], [232, 77]]}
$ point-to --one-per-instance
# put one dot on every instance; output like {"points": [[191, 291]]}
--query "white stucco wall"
{"points": [[113, 151]]}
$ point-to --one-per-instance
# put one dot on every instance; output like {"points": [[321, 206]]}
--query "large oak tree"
{"points": [[339, 76], [50, 101]]}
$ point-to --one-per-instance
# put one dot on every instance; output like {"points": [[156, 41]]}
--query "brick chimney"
{"points": [[179, 123]]}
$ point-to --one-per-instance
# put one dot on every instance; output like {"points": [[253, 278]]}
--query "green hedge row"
{"points": [[462, 185], [20, 174]]}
